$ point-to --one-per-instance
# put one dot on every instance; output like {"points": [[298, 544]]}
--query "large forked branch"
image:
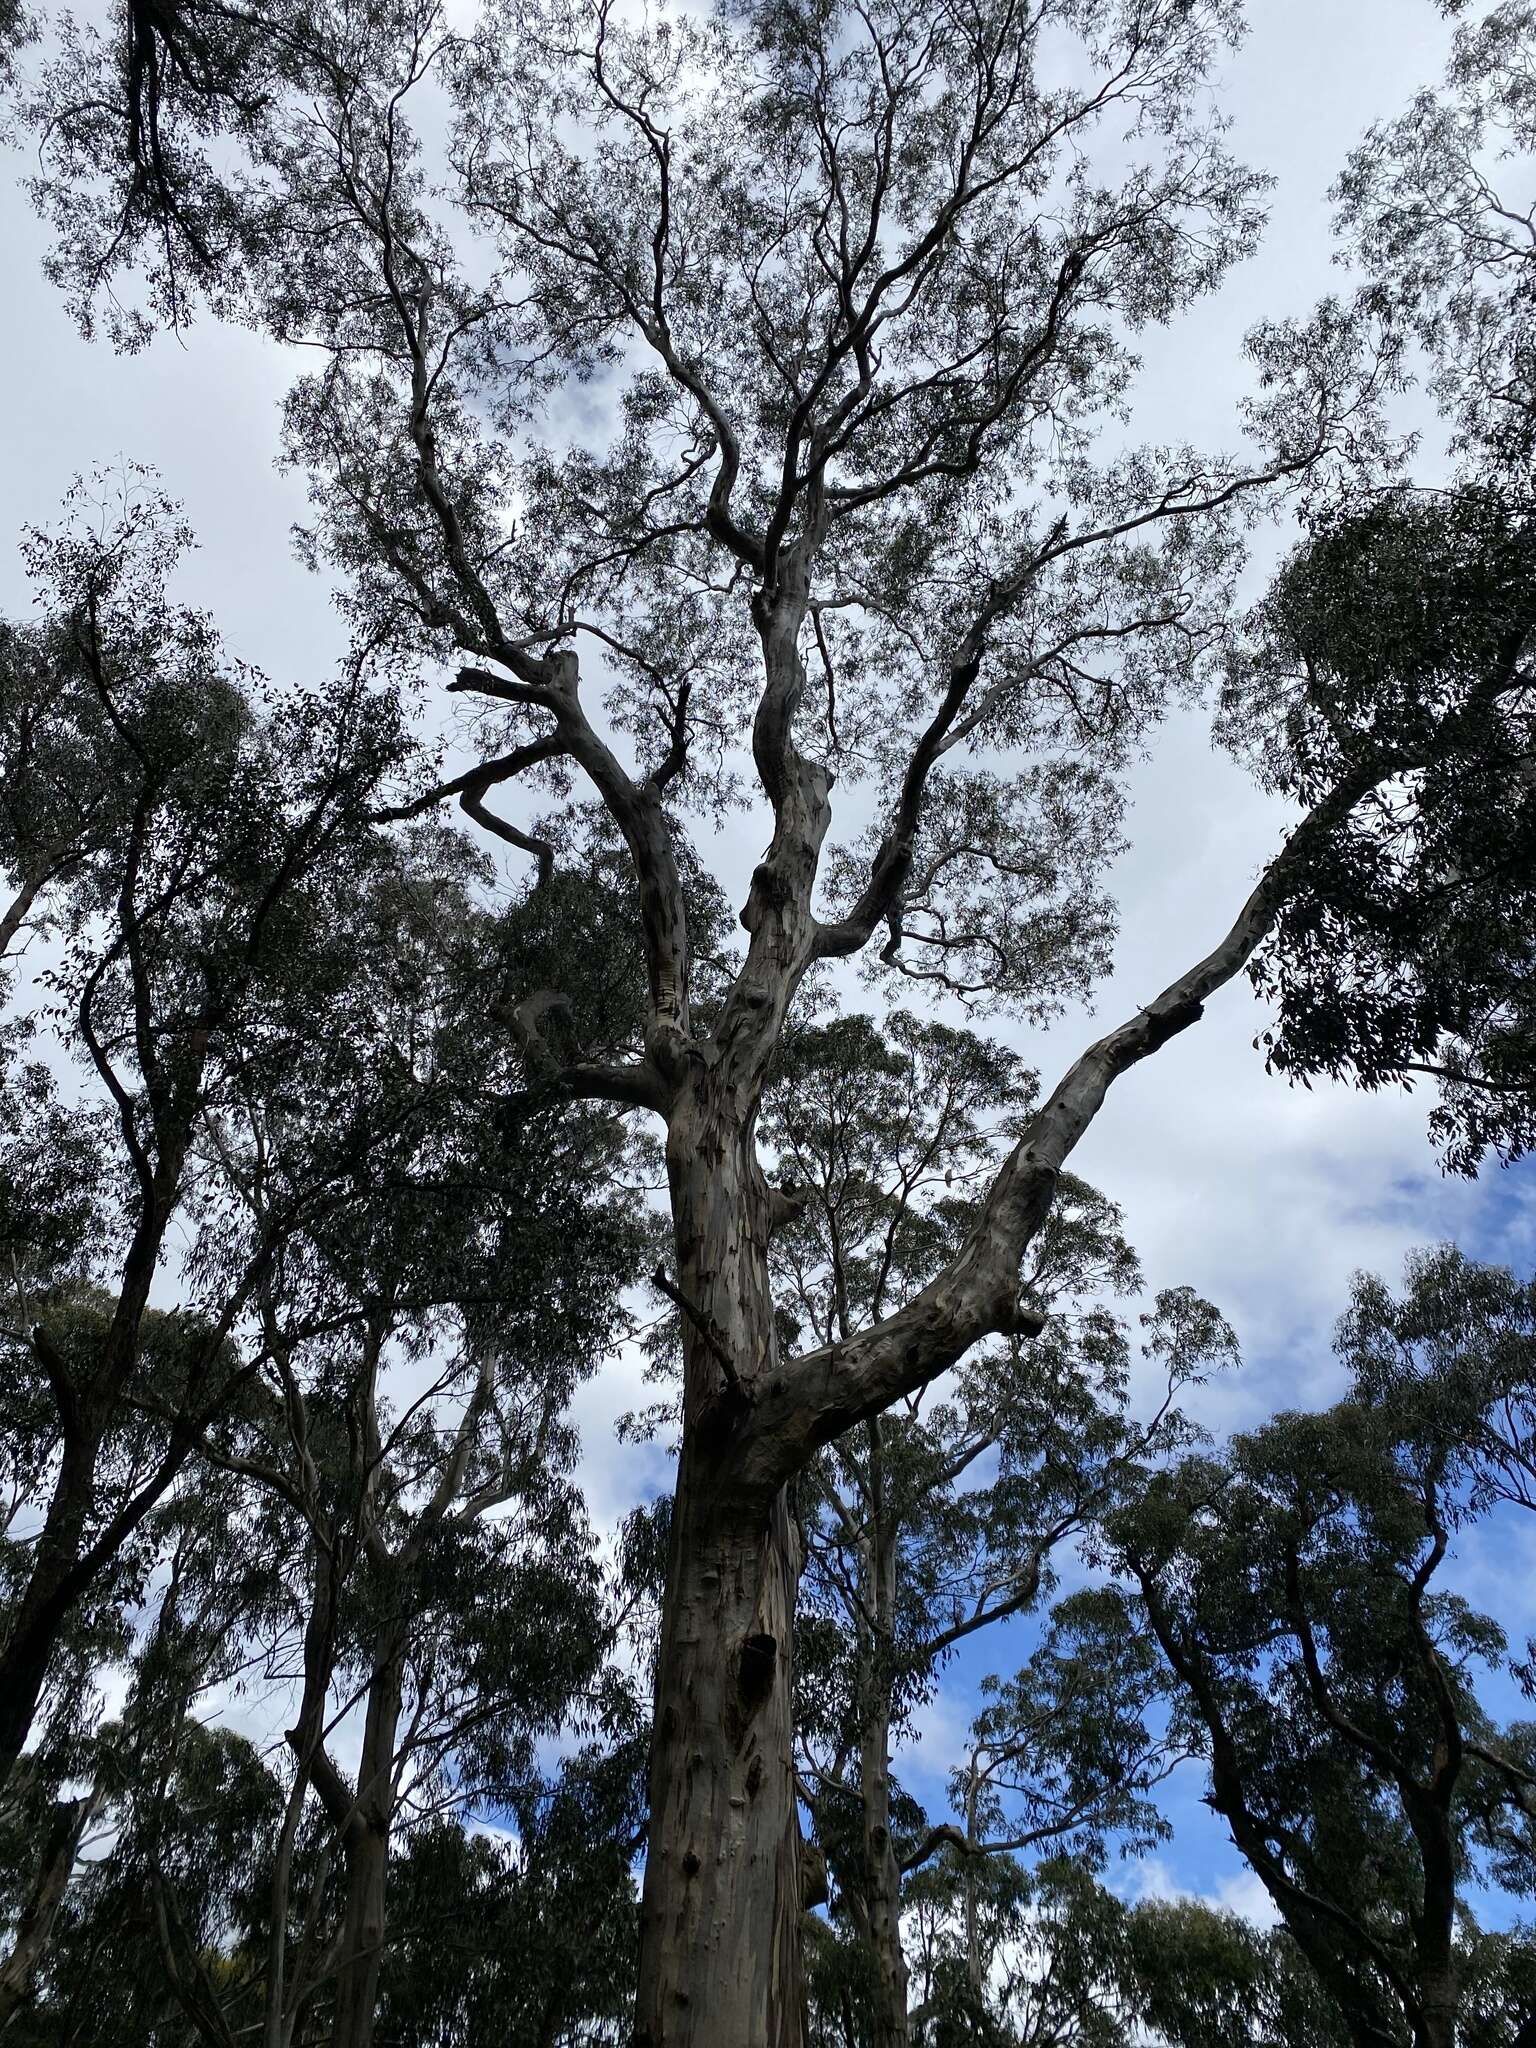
{"points": [[809, 1400], [549, 681]]}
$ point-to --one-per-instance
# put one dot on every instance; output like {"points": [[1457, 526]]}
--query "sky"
{"points": [[1262, 1197]]}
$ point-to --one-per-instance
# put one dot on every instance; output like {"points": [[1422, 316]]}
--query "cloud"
{"points": [[1153, 1878]]}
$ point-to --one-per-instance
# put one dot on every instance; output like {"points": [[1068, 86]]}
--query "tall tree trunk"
{"points": [[1439, 1997], [721, 1906], [720, 1914], [882, 1891], [362, 1936], [882, 1871]]}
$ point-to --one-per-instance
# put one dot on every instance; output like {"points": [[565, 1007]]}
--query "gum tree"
{"points": [[863, 286], [1297, 1588], [170, 838]]}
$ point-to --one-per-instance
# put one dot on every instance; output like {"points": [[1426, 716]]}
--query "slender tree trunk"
{"points": [[1438, 1986], [720, 1942], [62, 1566], [365, 1850], [285, 2000], [49, 1595], [973, 1969], [882, 1888]]}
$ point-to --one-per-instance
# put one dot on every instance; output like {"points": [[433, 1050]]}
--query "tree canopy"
{"points": [[724, 426]]}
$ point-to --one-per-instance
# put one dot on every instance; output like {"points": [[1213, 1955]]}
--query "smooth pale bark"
{"points": [[720, 1914]]}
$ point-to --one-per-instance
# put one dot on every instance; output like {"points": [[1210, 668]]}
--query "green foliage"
{"points": [[1433, 203], [1202, 1978], [1394, 649], [1295, 1588], [525, 1939]]}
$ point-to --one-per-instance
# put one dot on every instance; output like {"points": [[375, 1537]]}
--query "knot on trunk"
{"points": [[755, 1667], [770, 889], [1166, 1024]]}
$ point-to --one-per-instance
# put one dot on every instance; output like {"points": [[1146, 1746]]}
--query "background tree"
{"points": [[541, 1929], [1398, 952], [1438, 208], [424, 1342], [184, 918], [402, 1267], [1294, 1588], [1198, 1977]]}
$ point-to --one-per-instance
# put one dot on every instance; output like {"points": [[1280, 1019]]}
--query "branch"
{"points": [[340, 1805], [709, 1330], [470, 789], [807, 1401]]}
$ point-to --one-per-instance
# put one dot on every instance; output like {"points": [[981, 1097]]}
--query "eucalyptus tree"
{"points": [[1402, 952], [389, 1533], [418, 1345], [175, 841], [1438, 206], [1198, 1976], [1051, 1935], [1452, 1359], [866, 281], [1068, 1964], [451, 1644], [942, 1517], [527, 1939], [1330, 1679]]}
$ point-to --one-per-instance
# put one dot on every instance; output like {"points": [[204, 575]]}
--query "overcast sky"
{"points": [[1263, 1198]]}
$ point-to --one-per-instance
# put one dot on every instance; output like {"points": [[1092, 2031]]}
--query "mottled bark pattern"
{"points": [[721, 1907]]}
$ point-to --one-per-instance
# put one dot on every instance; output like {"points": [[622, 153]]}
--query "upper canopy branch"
{"points": [[959, 712]]}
